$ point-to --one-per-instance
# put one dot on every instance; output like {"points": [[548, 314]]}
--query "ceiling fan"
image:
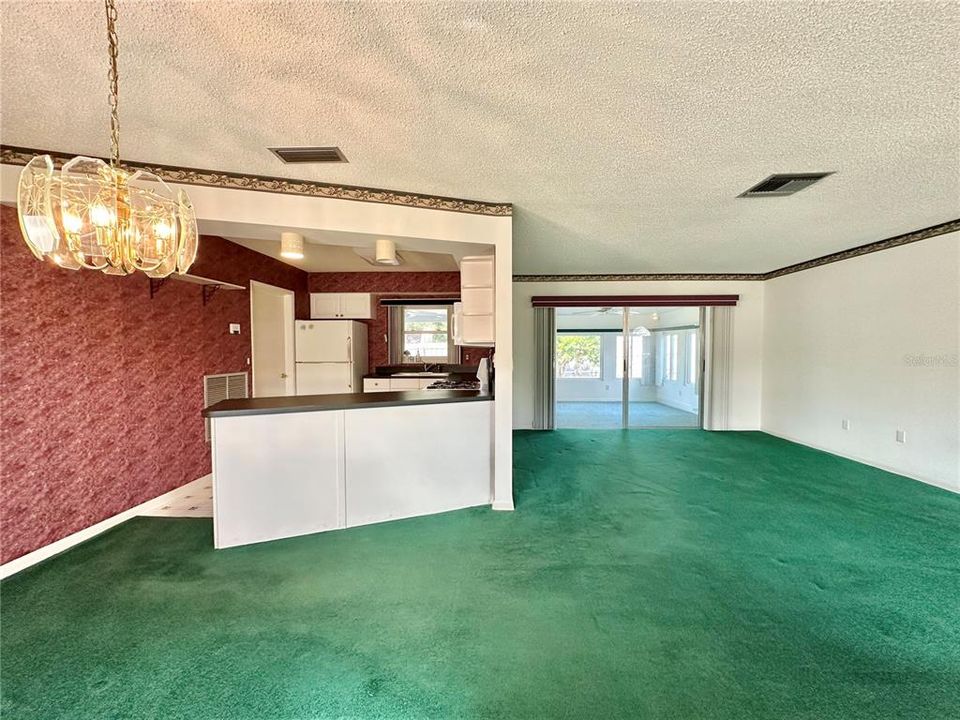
{"points": [[593, 311]]}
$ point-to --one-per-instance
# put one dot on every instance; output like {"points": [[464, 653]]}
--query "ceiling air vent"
{"points": [[787, 184], [309, 154]]}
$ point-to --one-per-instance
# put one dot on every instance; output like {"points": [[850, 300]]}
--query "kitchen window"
{"points": [[579, 356], [425, 333]]}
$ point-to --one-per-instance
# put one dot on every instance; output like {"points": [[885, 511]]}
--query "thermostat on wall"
{"points": [[234, 328]]}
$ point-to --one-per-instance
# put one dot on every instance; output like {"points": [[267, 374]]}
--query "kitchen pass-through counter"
{"points": [[288, 466]]}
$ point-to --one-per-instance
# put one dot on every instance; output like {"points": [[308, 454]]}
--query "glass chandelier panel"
{"points": [[100, 217]]}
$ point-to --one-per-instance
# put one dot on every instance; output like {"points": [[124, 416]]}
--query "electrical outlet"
{"points": [[234, 328], [845, 424], [901, 436]]}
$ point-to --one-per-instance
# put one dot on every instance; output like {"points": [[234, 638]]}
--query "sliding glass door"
{"points": [[588, 391], [619, 367]]}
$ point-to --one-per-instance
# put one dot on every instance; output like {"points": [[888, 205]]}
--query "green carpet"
{"points": [[646, 574]]}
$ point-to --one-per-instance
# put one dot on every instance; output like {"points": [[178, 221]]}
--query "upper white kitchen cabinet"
{"points": [[476, 318], [341, 306]]}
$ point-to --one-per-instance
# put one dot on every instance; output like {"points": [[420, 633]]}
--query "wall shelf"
{"points": [[208, 285]]}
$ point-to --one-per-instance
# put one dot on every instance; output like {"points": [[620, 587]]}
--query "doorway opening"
{"points": [[628, 367], [271, 340]]}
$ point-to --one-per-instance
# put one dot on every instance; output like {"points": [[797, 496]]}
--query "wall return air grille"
{"points": [[786, 184], [226, 386]]}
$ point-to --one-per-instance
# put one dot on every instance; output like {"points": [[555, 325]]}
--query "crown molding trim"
{"points": [[14, 155], [886, 244]]}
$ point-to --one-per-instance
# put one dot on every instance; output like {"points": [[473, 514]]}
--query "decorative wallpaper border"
{"points": [[13, 155], [891, 242], [636, 277]]}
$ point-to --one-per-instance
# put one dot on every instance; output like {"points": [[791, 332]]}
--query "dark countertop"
{"points": [[454, 371], [347, 401]]}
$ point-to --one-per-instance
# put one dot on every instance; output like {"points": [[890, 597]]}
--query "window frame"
{"points": [[600, 361], [450, 357], [618, 364], [673, 343], [693, 359]]}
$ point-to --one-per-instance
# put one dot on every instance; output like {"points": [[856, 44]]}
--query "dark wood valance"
{"points": [[633, 300], [439, 300]]}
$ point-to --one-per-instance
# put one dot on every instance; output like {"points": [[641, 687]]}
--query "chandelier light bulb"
{"points": [[99, 216], [72, 223]]}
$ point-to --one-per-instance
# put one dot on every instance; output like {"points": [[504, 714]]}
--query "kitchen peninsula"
{"points": [[288, 466]]}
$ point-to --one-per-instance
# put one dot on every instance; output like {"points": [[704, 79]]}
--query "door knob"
{"points": [[283, 375]]}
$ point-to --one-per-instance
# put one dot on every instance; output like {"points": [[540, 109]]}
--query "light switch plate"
{"points": [[901, 436], [234, 328], [845, 424]]}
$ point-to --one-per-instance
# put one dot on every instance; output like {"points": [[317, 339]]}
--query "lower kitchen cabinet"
{"points": [[294, 473], [387, 384]]}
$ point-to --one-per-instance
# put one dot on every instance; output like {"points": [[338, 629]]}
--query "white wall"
{"points": [[747, 345], [874, 340]]}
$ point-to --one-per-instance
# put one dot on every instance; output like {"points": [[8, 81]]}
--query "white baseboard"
{"points": [[63, 544], [865, 461], [503, 505]]}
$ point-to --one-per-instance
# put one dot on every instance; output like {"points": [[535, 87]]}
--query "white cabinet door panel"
{"points": [[478, 271], [477, 301], [376, 385], [406, 475], [356, 306], [477, 329], [294, 489], [404, 383], [324, 305]]}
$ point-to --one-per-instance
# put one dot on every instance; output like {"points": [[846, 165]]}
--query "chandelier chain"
{"points": [[114, 83]]}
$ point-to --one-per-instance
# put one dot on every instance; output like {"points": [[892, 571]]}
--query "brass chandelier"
{"points": [[102, 217]]}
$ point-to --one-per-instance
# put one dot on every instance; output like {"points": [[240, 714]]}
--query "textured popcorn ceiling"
{"points": [[621, 132]]}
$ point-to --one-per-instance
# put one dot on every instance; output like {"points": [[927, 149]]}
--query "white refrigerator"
{"points": [[331, 356]]}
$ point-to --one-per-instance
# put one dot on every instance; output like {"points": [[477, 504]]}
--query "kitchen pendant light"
{"points": [[102, 217], [386, 252], [291, 245]]}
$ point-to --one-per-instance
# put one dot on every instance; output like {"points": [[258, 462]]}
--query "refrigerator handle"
{"points": [[350, 358]]}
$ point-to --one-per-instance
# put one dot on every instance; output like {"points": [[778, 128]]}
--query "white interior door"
{"points": [[271, 340], [325, 378]]}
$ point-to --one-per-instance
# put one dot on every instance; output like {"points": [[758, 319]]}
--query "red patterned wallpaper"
{"points": [[100, 386]]}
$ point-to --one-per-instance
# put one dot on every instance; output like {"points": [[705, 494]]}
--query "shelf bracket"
{"points": [[155, 285], [208, 292]]}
